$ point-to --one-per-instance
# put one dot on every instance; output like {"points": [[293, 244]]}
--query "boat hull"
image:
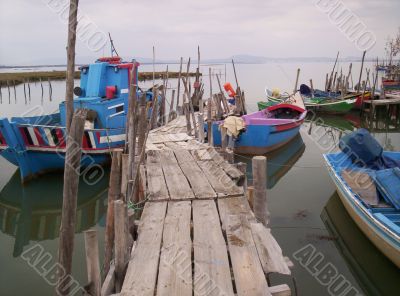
{"points": [[335, 107], [38, 149], [376, 232], [259, 139]]}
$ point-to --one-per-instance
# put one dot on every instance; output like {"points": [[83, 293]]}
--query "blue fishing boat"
{"points": [[37, 144], [265, 130], [368, 183]]}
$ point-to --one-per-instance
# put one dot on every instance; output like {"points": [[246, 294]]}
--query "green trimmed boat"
{"points": [[317, 104]]}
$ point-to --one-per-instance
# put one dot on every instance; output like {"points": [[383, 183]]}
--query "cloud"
{"points": [[30, 30]]}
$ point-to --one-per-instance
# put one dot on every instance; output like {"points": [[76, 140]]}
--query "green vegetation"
{"points": [[20, 77]]}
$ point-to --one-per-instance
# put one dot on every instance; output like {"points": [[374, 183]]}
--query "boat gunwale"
{"points": [[351, 197]]}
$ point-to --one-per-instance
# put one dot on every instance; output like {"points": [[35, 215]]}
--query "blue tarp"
{"points": [[388, 184], [364, 150]]}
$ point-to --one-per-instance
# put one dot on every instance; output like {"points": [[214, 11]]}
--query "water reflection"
{"points": [[375, 274], [280, 161], [33, 212]]}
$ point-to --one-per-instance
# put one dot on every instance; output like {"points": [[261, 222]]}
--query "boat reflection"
{"points": [[280, 161], [33, 212], [375, 274]]}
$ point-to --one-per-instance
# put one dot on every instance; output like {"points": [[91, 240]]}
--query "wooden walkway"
{"points": [[197, 234]]}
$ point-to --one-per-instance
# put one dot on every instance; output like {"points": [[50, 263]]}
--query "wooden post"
{"points": [[70, 194], [223, 140], [362, 66], [142, 121], [178, 110], [312, 88], [375, 80], [331, 76], [155, 107], [243, 168], [121, 243], [224, 101], [259, 165], [114, 193], [326, 82], [92, 262], [200, 120], [297, 80], [69, 91], [209, 122], [132, 125], [171, 106], [187, 115], [348, 77]]}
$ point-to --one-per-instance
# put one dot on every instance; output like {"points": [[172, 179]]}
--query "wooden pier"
{"points": [[197, 234]]}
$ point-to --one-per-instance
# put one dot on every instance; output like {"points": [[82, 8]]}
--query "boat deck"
{"points": [[197, 234]]}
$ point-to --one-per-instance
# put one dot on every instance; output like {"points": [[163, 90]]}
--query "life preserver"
{"points": [[229, 89]]}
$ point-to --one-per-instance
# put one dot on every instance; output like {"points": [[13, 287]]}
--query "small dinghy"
{"points": [[263, 131], [368, 183]]}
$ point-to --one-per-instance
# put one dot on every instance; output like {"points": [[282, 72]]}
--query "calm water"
{"points": [[302, 200]]}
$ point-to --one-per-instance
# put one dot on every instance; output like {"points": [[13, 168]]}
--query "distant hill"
{"points": [[239, 59]]}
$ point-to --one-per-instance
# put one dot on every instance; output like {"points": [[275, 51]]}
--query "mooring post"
{"points": [[142, 122], [92, 262], [297, 80], [187, 115], [114, 193], [70, 194], [121, 243], [200, 119], [209, 120], [260, 207], [69, 90]]}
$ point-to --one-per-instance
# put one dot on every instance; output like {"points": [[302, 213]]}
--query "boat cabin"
{"points": [[104, 91]]}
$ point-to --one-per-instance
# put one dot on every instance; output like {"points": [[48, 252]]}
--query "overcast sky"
{"points": [[33, 31]]}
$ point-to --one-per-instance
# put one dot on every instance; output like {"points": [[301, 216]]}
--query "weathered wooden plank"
{"points": [[211, 266], [234, 206], [247, 270], [269, 252], [219, 180], [175, 271], [141, 275], [108, 286], [202, 154], [177, 184], [280, 290], [156, 186], [198, 181]]}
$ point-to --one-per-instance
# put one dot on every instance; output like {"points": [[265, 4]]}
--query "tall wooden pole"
{"points": [[179, 87], [114, 193], [362, 66], [209, 122], [70, 195], [331, 76], [297, 81], [69, 91]]}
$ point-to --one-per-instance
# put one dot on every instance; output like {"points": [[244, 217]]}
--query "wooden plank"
{"points": [[108, 286], [198, 181], [211, 266], [247, 270], [175, 271], [156, 186], [280, 290], [234, 206], [141, 275], [219, 180], [202, 154], [269, 251], [177, 184]]}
